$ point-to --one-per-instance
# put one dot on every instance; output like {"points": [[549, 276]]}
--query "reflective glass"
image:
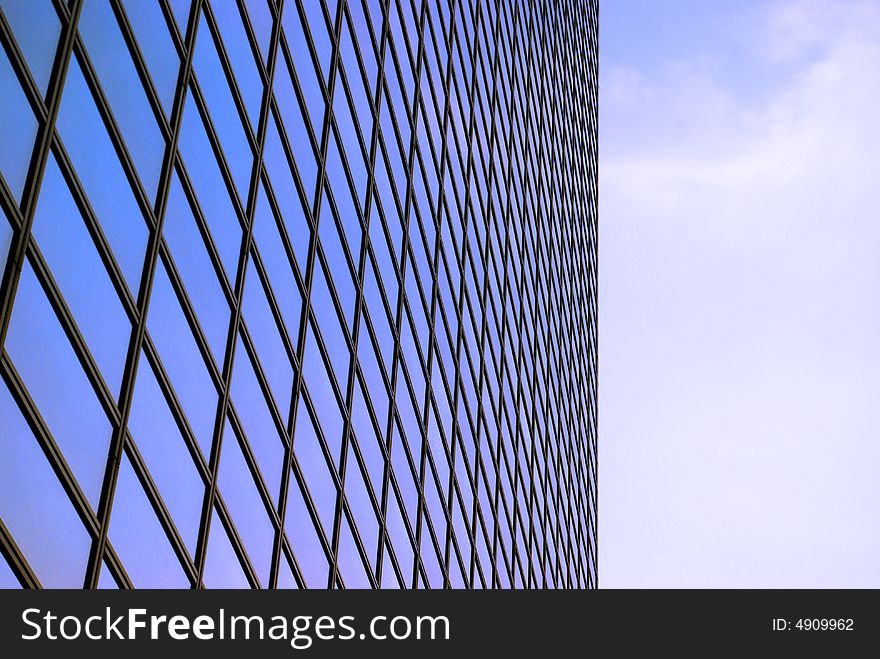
{"points": [[98, 168], [200, 279], [324, 398], [8, 580], [105, 580], [180, 9], [18, 129], [138, 536], [221, 107], [35, 508], [295, 126], [350, 563], [243, 500], [181, 358], [303, 538], [5, 243], [313, 462], [286, 196], [154, 41], [264, 331], [56, 381], [306, 74], [407, 259], [36, 28], [156, 434], [239, 52], [286, 579], [71, 255], [261, 19], [222, 567], [120, 82], [361, 506], [257, 421], [278, 264], [211, 192]]}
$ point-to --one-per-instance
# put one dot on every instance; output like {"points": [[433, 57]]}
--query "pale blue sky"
{"points": [[739, 306]]}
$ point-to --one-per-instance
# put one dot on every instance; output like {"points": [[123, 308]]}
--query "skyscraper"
{"points": [[298, 293]]}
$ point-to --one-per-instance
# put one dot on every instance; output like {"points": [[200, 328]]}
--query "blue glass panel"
{"points": [[314, 466], [404, 474], [56, 381], [167, 458], [456, 578], [199, 276], [222, 567], [350, 147], [221, 107], [250, 404], [368, 442], [264, 332], [210, 189], [18, 129], [295, 126], [106, 185], [462, 534], [73, 259], [361, 91], [36, 28], [389, 578], [35, 508], [157, 47], [350, 564], [399, 539], [285, 574], [261, 20], [286, 196], [337, 262], [302, 59], [317, 23], [483, 553], [8, 580], [238, 49], [378, 314], [304, 539], [245, 505], [429, 559], [5, 243], [328, 320], [361, 506], [277, 264], [324, 398], [181, 358], [180, 9], [138, 537], [105, 579], [123, 89], [386, 259]]}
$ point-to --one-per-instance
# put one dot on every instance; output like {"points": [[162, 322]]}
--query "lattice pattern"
{"points": [[298, 293]]}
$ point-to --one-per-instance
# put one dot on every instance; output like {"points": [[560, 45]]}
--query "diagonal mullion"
{"points": [[224, 402], [307, 313], [57, 462], [139, 330], [16, 254], [375, 107], [470, 128]]}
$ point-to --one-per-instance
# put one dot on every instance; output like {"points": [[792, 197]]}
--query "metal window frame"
{"points": [[502, 124]]}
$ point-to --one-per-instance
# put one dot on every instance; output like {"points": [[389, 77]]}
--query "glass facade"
{"points": [[298, 293]]}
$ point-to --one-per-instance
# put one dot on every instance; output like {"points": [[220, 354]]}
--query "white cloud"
{"points": [[740, 308], [792, 29]]}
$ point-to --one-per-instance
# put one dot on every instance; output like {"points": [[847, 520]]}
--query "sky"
{"points": [[739, 310]]}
